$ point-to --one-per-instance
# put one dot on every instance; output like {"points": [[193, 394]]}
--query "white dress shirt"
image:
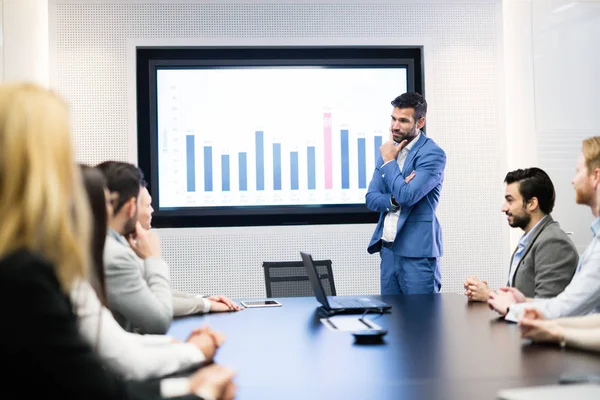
{"points": [[390, 223], [581, 296], [131, 355]]}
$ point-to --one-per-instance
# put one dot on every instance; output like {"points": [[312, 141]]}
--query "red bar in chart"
{"points": [[327, 150]]}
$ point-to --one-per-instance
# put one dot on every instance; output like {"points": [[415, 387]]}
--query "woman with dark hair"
{"points": [[132, 355], [101, 206]]}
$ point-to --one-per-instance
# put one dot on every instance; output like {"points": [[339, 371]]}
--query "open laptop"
{"points": [[358, 304]]}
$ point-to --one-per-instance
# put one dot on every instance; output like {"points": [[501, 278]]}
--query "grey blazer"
{"points": [[548, 262], [138, 292]]}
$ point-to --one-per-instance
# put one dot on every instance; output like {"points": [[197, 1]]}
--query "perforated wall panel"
{"points": [[230, 260], [89, 47]]}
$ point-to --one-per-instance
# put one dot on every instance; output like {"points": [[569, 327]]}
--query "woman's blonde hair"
{"points": [[43, 206]]}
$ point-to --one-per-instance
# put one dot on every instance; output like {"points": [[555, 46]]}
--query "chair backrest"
{"points": [[289, 278]]}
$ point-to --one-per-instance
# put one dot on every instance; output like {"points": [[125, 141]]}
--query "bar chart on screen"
{"points": [[314, 143]]}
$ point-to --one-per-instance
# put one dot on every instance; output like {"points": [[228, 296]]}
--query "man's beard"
{"points": [[406, 136], [582, 197], [520, 221]]}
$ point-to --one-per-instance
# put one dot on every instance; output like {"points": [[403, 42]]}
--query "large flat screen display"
{"points": [[260, 136]]}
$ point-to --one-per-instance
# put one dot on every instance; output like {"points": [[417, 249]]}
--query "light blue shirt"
{"points": [[117, 236], [519, 252], [581, 296]]}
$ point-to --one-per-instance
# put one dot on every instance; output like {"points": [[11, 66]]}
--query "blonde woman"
{"points": [[44, 250]]}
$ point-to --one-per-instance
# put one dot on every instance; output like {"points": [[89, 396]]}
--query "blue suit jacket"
{"points": [[418, 232]]}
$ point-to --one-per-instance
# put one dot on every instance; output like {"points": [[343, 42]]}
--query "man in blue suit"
{"points": [[405, 189]]}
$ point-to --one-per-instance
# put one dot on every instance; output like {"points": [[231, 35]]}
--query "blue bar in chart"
{"points": [[242, 171], [191, 163], [362, 163], [378, 143], [345, 159], [260, 160], [225, 172], [208, 184], [312, 180], [294, 170], [276, 166]]}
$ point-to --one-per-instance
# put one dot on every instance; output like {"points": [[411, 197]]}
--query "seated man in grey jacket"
{"points": [[582, 294], [138, 288], [545, 259], [184, 303]]}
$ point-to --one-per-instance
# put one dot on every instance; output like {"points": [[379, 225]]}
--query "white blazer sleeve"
{"points": [[131, 355]]}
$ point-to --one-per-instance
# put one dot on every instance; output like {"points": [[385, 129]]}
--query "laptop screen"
{"points": [[314, 279]]}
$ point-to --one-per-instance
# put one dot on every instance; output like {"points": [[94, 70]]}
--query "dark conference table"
{"points": [[437, 347]]}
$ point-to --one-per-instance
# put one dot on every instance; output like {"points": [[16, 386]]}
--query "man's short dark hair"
{"points": [[124, 179], [412, 100], [534, 182]]}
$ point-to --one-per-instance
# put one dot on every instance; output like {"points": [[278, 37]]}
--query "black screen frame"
{"points": [[150, 59]]}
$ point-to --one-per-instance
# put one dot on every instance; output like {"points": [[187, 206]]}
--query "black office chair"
{"points": [[289, 278]]}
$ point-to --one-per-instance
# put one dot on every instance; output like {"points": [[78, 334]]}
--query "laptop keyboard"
{"points": [[350, 303]]}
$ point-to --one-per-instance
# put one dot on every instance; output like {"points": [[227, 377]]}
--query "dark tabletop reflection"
{"points": [[437, 346]]}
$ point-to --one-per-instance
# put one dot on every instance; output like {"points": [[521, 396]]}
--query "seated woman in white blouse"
{"points": [[132, 355]]}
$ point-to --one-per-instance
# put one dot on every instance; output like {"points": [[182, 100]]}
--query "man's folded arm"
{"points": [[428, 174]]}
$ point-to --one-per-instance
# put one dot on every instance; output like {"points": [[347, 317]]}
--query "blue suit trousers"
{"points": [[406, 275]]}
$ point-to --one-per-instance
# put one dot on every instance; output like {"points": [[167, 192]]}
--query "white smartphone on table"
{"points": [[260, 303]]}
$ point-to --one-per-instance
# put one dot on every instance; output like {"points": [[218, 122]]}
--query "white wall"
{"points": [[509, 86], [25, 43], [89, 44], [552, 56], [519, 91], [89, 48], [566, 47]]}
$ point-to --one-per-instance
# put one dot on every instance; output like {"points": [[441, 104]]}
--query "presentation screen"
{"points": [[270, 137]]}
